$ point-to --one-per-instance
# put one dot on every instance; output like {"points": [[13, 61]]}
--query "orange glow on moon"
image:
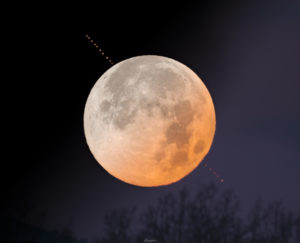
{"points": [[149, 121]]}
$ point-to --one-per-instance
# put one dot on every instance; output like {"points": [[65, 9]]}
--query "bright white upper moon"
{"points": [[149, 120]]}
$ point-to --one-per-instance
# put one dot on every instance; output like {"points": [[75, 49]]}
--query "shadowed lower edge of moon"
{"points": [[181, 157], [177, 134]]}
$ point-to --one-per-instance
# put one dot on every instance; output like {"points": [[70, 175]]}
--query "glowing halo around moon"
{"points": [[149, 120]]}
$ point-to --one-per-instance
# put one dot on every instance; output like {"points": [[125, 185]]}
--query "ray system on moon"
{"points": [[149, 120]]}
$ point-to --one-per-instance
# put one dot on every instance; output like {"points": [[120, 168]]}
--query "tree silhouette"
{"points": [[270, 224], [165, 220], [118, 226], [211, 216]]}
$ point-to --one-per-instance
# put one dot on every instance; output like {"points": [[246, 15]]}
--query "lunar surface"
{"points": [[149, 120]]}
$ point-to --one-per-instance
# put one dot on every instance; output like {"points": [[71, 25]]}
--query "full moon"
{"points": [[149, 120]]}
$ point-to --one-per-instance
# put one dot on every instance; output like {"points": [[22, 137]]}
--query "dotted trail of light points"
{"points": [[101, 51], [214, 173], [111, 62]]}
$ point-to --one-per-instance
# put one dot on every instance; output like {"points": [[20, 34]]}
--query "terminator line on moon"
{"points": [[149, 120]]}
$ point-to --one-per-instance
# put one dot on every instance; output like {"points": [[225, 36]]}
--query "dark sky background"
{"points": [[246, 52]]}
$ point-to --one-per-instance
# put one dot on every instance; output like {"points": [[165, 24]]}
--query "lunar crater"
{"points": [[179, 158], [105, 106], [199, 146], [178, 134]]}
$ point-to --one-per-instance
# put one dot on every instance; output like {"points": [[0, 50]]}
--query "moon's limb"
{"points": [[149, 120]]}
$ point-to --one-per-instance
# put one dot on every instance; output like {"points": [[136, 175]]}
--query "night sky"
{"points": [[246, 52]]}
